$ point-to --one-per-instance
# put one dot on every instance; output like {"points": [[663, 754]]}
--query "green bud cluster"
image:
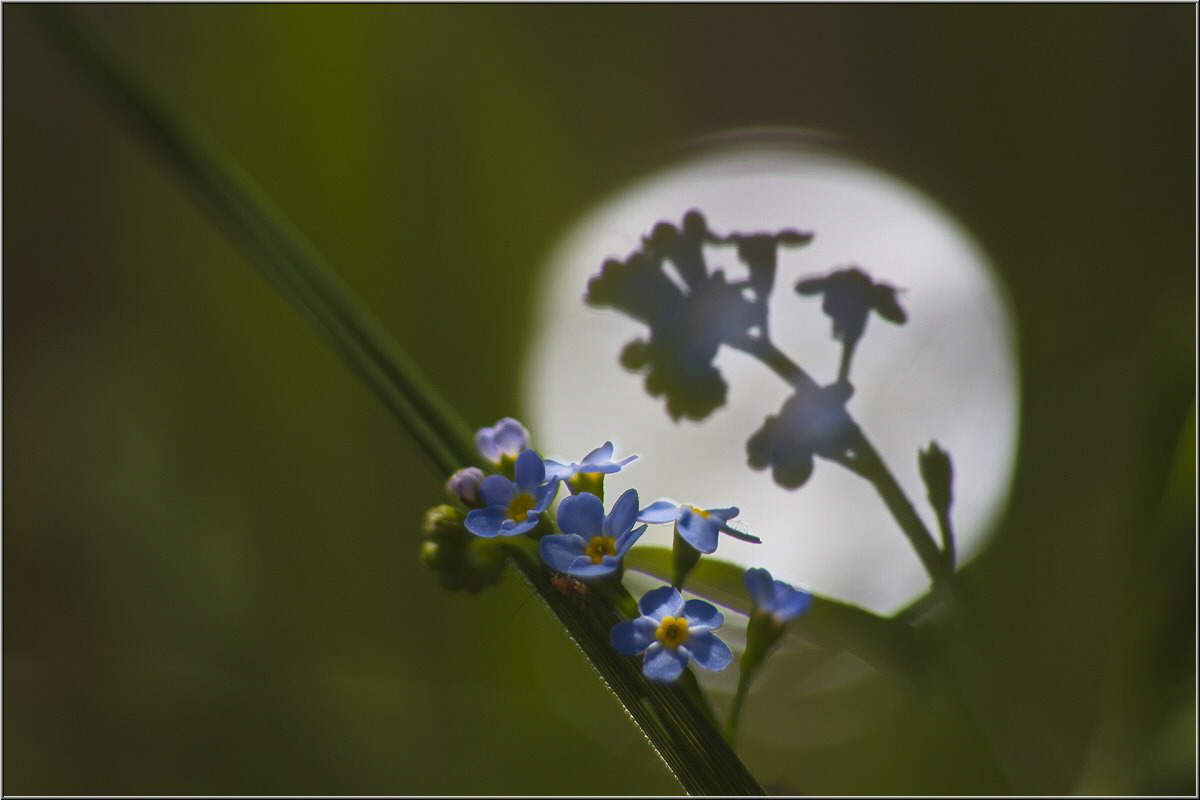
{"points": [[462, 561]]}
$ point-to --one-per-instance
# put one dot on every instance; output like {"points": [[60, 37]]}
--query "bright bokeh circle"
{"points": [[948, 375]]}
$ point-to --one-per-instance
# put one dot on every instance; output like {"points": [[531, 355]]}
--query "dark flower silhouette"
{"points": [[687, 328], [813, 421], [760, 253], [850, 295]]}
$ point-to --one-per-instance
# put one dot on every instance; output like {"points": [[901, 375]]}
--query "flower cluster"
{"points": [[581, 543]]}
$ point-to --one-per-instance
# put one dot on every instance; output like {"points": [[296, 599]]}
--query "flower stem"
{"points": [[868, 463], [947, 529], [735, 708]]}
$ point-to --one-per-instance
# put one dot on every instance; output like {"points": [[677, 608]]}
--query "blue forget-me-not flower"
{"points": [[513, 507], [588, 475], [593, 544], [599, 460], [781, 600], [671, 632], [506, 439], [698, 527]]}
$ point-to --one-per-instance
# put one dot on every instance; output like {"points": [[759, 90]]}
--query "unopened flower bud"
{"points": [[938, 474], [442, 520], [503, 441], [464, 485]]}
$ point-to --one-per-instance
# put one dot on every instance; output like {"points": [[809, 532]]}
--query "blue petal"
{"points": [[543, 495], [661, 602], [708, 651], [487, 522], [633, 636], [623, 515], [698, 612], [581, 513], [626, 540], [601, 455], [724, 514], [697, 531], [561, 551], [762, 588], [510, 436], [530, 470], [664, 664], [511, 528], [658, 512], [609, 468], [496, 490], [485, 442], [556, 469], [625, 461], [586, 570], [792, 604]]}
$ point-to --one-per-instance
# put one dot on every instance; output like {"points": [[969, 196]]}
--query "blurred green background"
{"points": [[210, 527]]}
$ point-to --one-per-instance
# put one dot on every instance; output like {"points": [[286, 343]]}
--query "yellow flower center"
{"points": [[672, 631], [599, 547], [700, 512], [520, 506]]}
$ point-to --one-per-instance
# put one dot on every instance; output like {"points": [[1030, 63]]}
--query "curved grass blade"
{"points": [[675, 725]]}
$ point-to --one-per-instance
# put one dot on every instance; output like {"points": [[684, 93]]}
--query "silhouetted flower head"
{"points": [[671, 632], [513, 507], [849, 296], [592, 544], [689, 318], [812, 421]]}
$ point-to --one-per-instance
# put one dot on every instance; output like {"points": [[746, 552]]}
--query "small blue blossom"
{"points": [[506, 439], [781, 600], [671, 632], [593, 544], [698, 527], [511, 508], [597, 461]]}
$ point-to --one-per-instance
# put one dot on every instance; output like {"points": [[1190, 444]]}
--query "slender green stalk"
{"points": [[947, 529], [735, 708], [679, 728], [869, 464]]}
